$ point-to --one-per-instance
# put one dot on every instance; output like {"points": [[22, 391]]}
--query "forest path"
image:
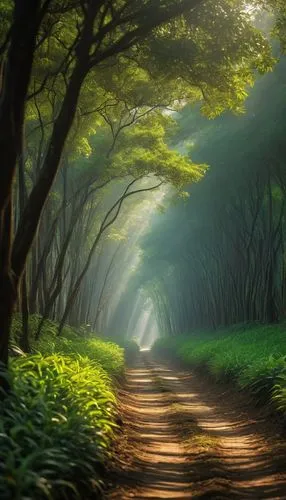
{"points": [[184, 437]]}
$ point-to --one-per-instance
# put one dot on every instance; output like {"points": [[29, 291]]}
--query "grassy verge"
{"points": [[252, 356], [57, 426]]}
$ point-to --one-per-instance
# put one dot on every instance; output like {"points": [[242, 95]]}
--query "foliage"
{"points": [[72, 341], [34, 319], [55, 428], [57, 425], [144, 150], [251, 356], [106, 354]]}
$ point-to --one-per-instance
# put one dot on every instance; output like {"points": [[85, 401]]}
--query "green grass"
{"points": [[50, 329], [107, 354], [57, 426], [251, 356]]}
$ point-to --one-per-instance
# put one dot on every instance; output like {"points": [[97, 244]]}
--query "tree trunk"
{"points": [[17, 74], [24, 338]]}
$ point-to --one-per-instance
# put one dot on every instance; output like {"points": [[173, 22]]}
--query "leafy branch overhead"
{"points": [[144, 150]]}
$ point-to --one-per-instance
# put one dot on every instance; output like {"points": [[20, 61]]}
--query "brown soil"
{"points": [[185, 437]]}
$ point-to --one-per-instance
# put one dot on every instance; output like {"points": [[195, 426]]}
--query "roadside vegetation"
{"points": [[252, 356], [57, 425]]}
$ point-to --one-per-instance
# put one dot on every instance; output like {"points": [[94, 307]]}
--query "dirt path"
{"points": [[186, 438]]}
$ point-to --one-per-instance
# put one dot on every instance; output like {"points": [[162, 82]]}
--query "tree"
{"points": [[99, 32]]}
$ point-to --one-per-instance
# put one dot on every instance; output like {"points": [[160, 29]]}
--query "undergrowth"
{"points": [[72, 341], [57, 425], [107, 354], [251, 356]]}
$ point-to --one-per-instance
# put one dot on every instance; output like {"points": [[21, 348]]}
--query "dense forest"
{"points": [[226, 263], [142, 197], [76, 77]]}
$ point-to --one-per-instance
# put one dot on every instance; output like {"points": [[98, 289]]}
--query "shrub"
{"points": [[57, 425], [49, 332], [106, 354], [55, 428]]}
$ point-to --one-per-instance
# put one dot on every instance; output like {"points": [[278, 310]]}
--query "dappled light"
{"points": [[186, 440]]}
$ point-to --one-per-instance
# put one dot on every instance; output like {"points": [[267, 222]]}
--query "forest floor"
{"points": [[184, 436]]}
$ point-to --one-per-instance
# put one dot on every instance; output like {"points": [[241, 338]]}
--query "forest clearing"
{"points": [[142, 249]]}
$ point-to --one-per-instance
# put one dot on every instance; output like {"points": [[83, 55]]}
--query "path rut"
{"points": [[184, 437]]}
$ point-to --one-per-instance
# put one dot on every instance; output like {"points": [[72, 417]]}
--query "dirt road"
{"points": [[184, 437]]}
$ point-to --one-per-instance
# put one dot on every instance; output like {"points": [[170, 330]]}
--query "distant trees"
{"points": [[226, 262]]}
